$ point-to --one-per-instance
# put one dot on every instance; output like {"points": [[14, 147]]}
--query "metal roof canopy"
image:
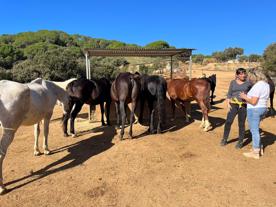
{"points": [[183, 53]]}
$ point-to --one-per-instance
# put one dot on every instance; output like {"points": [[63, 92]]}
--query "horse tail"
{"points": [[208, 99], [161, 97]]}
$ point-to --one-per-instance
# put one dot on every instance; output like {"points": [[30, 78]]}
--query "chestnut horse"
{"points": [[125, 89], [185, 91]]}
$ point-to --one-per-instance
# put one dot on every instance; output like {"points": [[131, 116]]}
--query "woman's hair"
{"points": [[256, 75], [240, 70]]}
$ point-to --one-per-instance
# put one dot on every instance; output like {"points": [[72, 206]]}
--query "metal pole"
{"points": [[89, 70], [171, 68], [190, 67], [86, 64]]}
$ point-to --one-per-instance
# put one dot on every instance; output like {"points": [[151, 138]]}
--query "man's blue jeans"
{"points": [[254, 117]]}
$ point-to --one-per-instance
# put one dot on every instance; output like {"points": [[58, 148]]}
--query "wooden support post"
{"points": [[171, 68], [190, 67]]}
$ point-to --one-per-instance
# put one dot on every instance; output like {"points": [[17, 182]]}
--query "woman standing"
{"points": [[256, 100], [236, 106]]}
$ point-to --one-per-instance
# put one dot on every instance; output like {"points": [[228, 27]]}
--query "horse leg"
{"points": [[151, 117], [102, 113], [74, 114], [65, 119], [117, 114], [46, 133], [36, 135], [206, 124], [107, 105], [123, 114], [126, 113], [133, 107], [212, 97], [92, 110], [173, 109], [5, 141], [159, 119], [142, 102], [186, 107], [271, 103], [188, 111]]}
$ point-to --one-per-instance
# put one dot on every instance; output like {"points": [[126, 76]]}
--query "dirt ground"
{"points": [[184, 166]]}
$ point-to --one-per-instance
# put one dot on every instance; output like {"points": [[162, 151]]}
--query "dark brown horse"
{"points": [[212, 79], [125, 89], [84, 91], [153, 91], [271, 95], [185, 91]]}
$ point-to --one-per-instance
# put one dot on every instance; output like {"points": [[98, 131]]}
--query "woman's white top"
{"points": [[260, 90]]}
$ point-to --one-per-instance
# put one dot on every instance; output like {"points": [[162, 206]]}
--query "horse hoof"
{"points": [[66, 135], [73, 135], [37, 153], [207, 128], [47, 152], [3, 190]]}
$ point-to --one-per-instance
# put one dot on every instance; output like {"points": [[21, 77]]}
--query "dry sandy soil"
{"points": [[184, 166]]}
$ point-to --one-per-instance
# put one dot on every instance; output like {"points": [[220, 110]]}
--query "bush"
{"points": [[5, 74]]}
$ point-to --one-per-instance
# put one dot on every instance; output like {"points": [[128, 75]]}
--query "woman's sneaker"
{"points": [[254, 153]]}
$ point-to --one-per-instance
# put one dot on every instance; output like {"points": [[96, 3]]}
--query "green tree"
{"points": [[270, 59], [219, 56], [5, 74], [232, 53], [199, 58], [158, 45], [243, 58], [9, 55], [255, 58]]}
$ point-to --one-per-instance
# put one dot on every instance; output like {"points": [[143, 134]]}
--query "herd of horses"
{"points": [[28, 104]]}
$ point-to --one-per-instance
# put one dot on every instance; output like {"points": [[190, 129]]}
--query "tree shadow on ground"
{"points": [[78, 153]]}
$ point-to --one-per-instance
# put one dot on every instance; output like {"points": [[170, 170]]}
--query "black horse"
{"points": [[125, 89], [84, 91], [212, 79], [153, 90], [272, 91]]}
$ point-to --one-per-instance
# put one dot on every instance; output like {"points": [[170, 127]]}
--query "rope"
{"points": [[236, 101]]}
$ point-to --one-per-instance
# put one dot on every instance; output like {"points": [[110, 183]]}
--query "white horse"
{"points": [[27, 104]]}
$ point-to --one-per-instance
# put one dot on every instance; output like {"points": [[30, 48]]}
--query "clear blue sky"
{"points": [[207, 26]]}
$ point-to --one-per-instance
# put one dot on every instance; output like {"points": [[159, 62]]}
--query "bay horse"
{"points": [[153, 91], [185, 91], [27, 104], [91, 92], [125, 89]]}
